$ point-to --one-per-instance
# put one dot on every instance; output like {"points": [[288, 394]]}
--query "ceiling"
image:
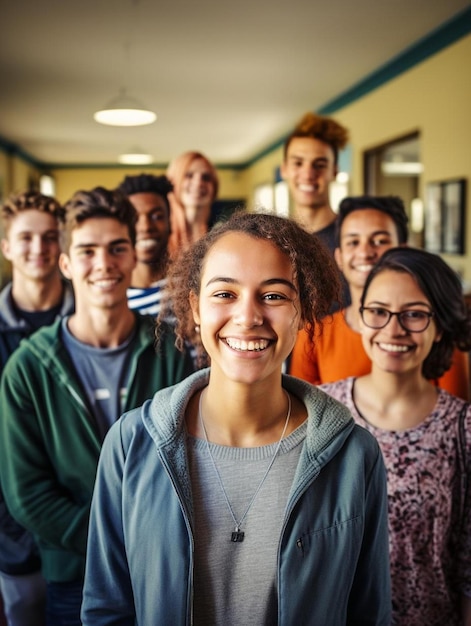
{"points": [[227, 78]]}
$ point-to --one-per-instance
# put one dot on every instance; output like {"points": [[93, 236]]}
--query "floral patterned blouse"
{"points": [[429, 510]]}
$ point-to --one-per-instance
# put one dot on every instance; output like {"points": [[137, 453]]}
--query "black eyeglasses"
{"points": [[413, 321]]}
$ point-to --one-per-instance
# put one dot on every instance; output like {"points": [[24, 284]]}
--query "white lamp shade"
{"points": [[124, 111], [135, 157]]}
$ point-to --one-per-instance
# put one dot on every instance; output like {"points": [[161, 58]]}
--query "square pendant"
{"points": [[237, 536]]}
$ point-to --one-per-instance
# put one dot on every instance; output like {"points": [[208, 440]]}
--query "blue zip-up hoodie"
{"points": [[333, 561]]}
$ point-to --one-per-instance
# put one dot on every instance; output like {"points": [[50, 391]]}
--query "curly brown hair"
{"points": [[323, 128], [314, 271], [27, 200]]}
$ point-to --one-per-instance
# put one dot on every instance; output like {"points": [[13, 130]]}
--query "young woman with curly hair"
{"points": [[241, 496]]}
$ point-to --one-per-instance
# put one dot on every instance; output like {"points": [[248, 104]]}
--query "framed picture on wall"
{"points": [[433, 229], [453, 207], [445, 216]]}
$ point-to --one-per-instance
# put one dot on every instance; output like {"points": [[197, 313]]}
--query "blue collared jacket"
{"points": [[333, 563]]}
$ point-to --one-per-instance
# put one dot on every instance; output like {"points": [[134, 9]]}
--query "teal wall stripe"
{"points": [[445, 35]]}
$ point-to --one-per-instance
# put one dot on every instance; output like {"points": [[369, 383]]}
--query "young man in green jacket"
{"points": [[65, 386]]}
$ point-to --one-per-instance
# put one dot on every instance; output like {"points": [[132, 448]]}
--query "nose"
{"points": [[366, 250], [248, 313], [307, 171], [144, 223], [394, 326], [197, 179], [103, 259], [37, 244]]}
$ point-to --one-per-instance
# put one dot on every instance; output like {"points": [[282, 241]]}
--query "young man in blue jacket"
{"points": [[36, 296], [66, 385]]}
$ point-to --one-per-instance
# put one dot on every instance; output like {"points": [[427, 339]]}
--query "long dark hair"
{"points": [[442, 287]]}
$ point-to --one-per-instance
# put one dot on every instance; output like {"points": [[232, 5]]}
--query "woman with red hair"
{"points": [[195, 187]]}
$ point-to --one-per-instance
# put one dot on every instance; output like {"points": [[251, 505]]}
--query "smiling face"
{"points": [[248, 308], [32, 245], [152, 228], [365, 236], [309, 168], [197, 189], [392, 348], [99, 263]]}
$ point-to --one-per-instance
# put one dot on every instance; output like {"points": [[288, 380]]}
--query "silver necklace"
{"points": [[237, 535]]}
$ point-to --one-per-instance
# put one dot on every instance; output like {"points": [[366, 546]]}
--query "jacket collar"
{"points": [[9, 318], [328, 419]]}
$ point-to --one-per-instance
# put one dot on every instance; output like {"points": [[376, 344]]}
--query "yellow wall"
{"points": [[68, 181], [433, 98], [4, 174], [15, 175]]}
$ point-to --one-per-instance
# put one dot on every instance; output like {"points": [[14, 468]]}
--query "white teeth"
{"points": [[392, 347], [146, 243], [105, 283], [247, 346], [306, 187], [364, 268]]}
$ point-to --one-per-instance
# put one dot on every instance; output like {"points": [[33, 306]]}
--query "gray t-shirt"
{"points": [[235, 583], [103, 374]]}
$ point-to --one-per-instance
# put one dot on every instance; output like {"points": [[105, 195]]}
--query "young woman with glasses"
{"points": [[413, 316]]}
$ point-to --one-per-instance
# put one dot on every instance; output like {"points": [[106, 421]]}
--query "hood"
{"points": [[329, 421], [9, 319]]}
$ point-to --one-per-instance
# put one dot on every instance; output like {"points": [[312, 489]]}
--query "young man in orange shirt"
{"points": [[367, 226]]}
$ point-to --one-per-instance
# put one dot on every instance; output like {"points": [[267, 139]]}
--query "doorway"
{"points": [[394, 168]]}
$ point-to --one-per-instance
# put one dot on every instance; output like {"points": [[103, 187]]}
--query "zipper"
{"points": [[186, 517]]}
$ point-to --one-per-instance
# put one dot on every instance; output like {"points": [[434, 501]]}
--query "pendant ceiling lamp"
{"points": [[136, 156], [125, 111]]}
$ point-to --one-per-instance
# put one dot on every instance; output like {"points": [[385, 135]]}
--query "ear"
{"points": [[194, 304], [438, 336], [5, 245], [338, 258], [64, 265]]}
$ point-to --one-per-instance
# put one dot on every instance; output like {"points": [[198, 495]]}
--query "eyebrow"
{"points": [[268, 282], [31, 231], [407, 304], [373, 234], [307, 158], [115, 242]]}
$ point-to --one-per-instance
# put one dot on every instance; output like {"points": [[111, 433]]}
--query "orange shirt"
{"points": [[338, 353]]}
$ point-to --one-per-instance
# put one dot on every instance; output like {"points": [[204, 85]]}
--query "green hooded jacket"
{"points": [[50, 441]]}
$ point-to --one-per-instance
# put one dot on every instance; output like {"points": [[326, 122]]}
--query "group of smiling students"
{"points": [[248, 496]]}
